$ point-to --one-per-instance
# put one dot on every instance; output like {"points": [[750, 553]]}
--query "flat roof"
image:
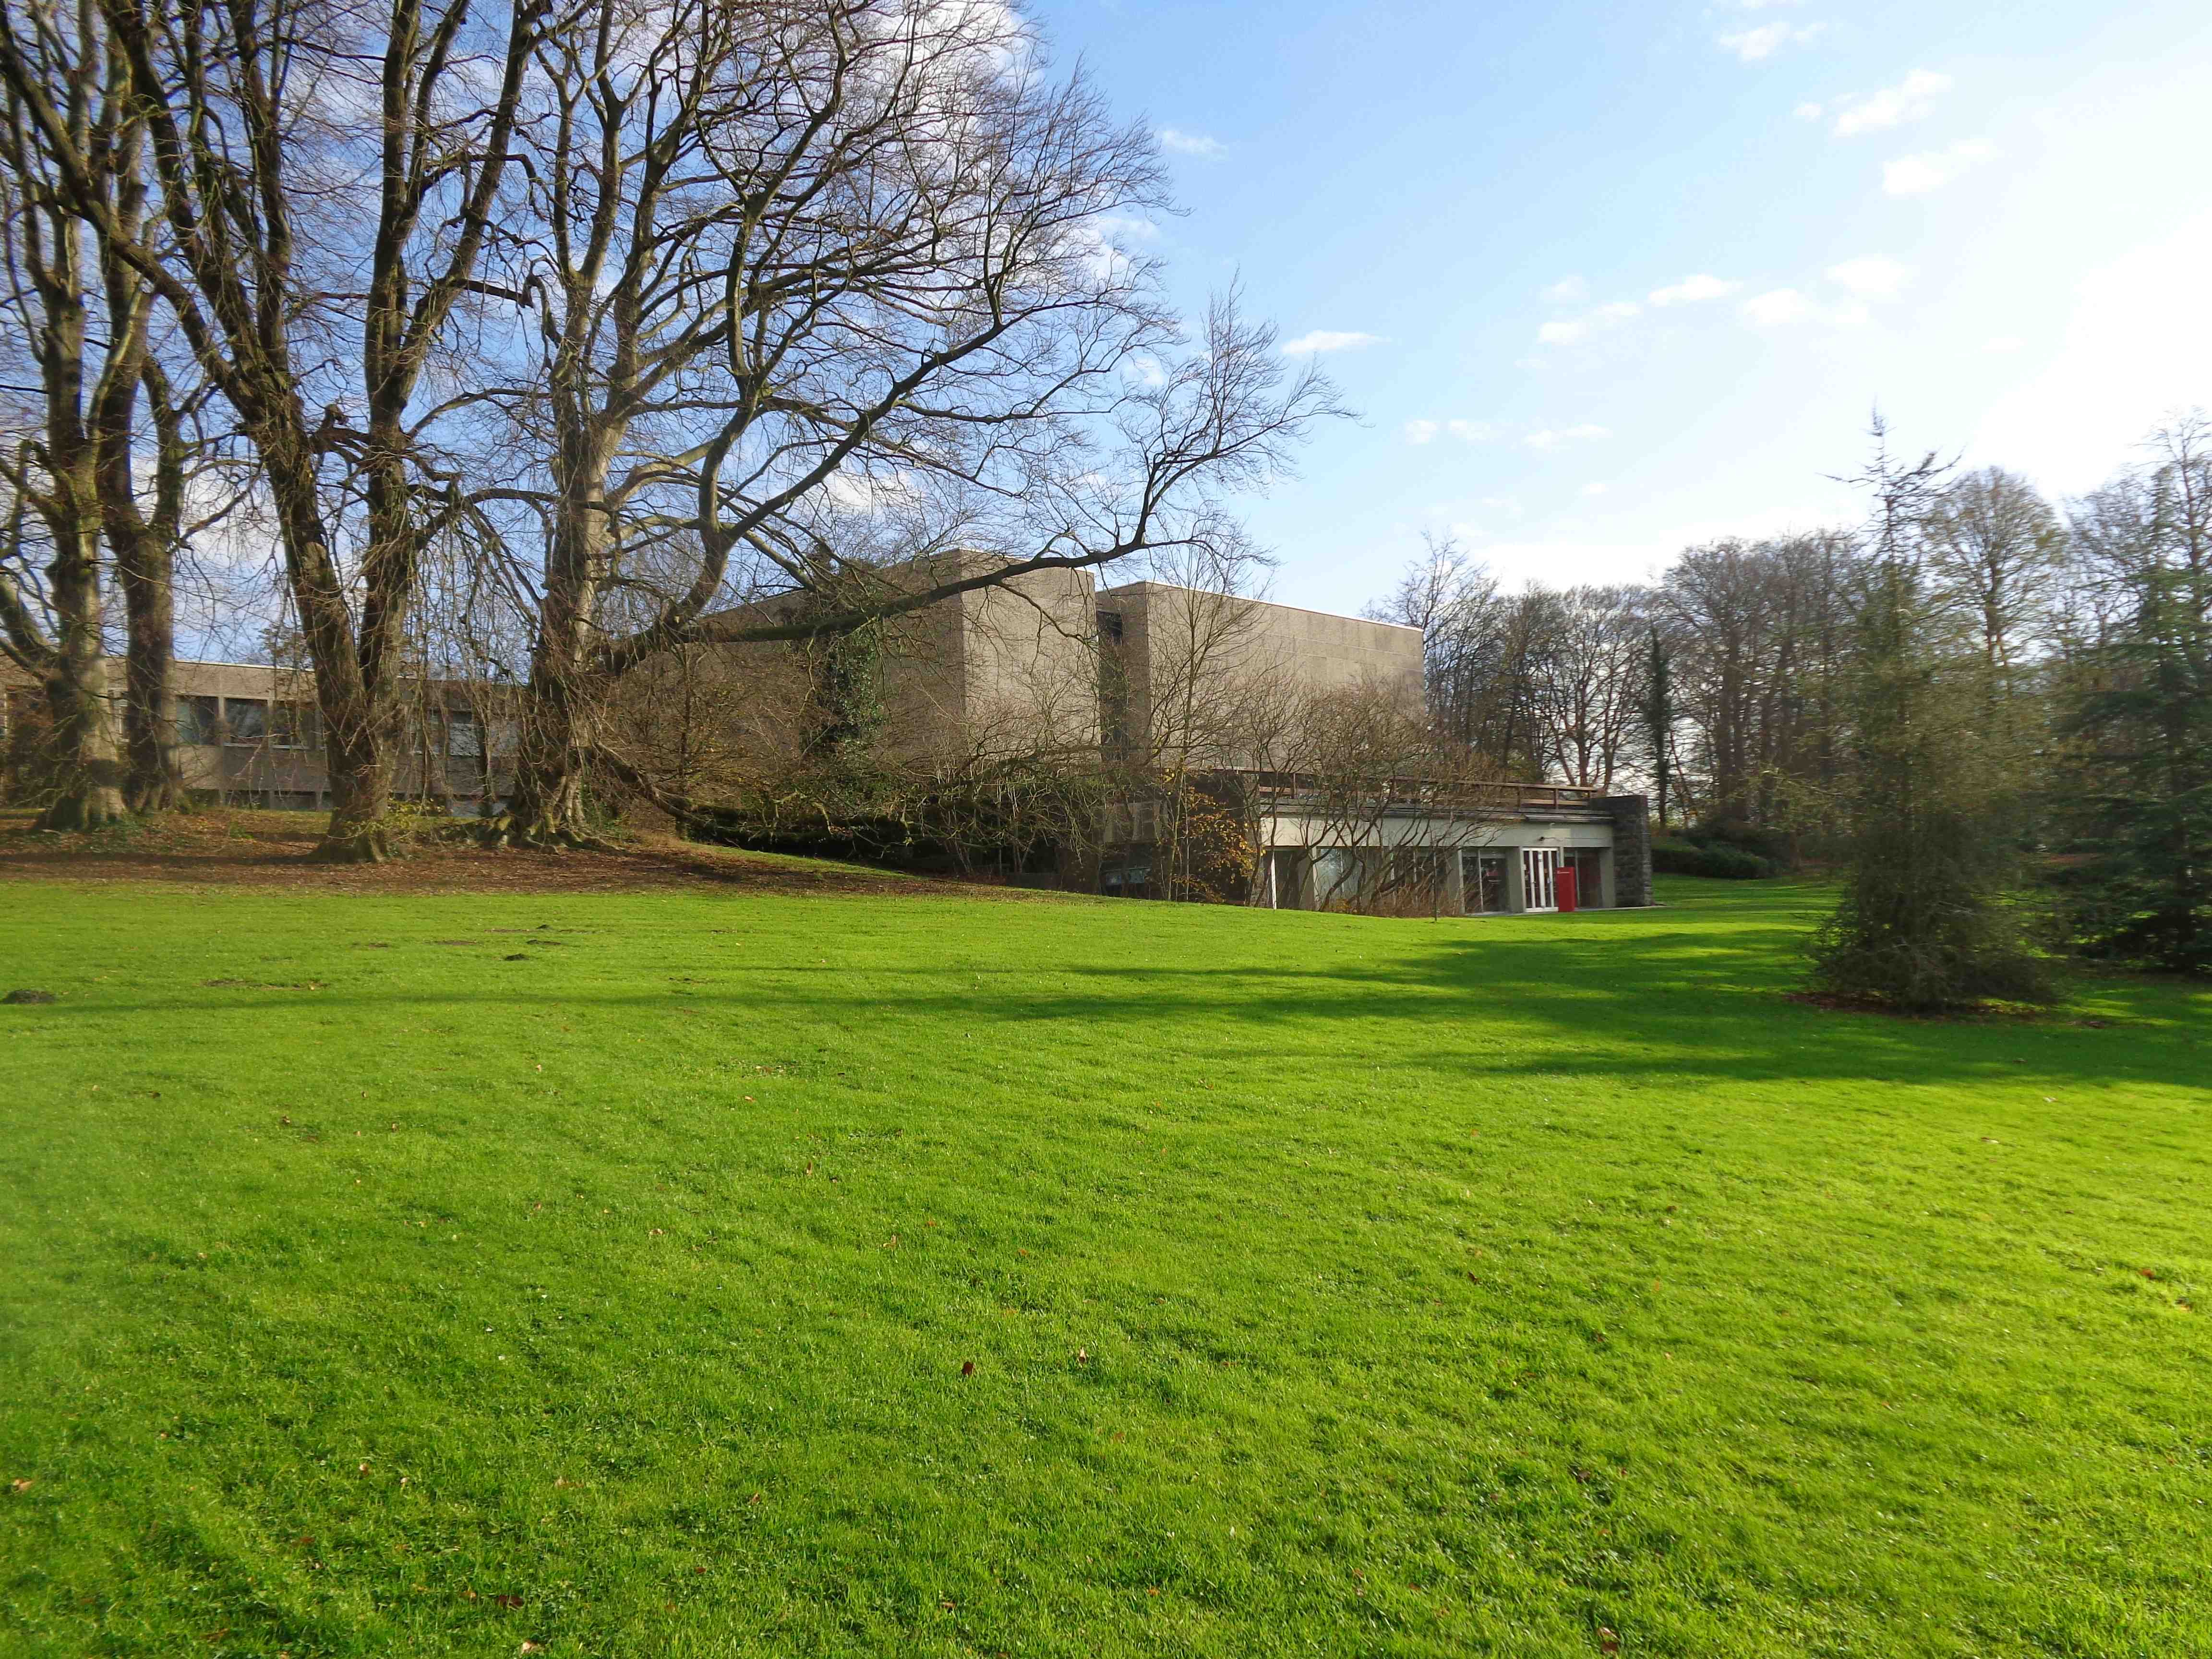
{"points": [[1272, 605]]}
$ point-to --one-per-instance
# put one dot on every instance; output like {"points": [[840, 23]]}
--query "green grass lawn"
{"points": [[426, 1275]]}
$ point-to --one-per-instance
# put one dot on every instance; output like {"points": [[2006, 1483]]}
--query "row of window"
{"points": [[247, 722], [259, 723]]}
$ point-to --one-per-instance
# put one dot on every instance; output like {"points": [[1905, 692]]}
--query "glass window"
{"points": [[1484, 875], [463, 739], [1540, 868], [293, 725], [244, 720], [199, 720]]}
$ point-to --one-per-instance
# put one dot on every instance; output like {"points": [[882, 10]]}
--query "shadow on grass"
{"points": [[1690, 1003]]}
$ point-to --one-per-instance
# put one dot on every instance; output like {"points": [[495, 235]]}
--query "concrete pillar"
{"points": [[1631, 849]]}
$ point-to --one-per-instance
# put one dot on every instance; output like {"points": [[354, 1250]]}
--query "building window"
{"points": [[294, 726], [463, 739], [1590, 879], [199, 720], [245, 721], [1483, 879], [1539, 871]]}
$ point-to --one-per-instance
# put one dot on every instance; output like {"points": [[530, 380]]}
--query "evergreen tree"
{"points": [[1925, 921], [1658, 713], [2139, 718]]}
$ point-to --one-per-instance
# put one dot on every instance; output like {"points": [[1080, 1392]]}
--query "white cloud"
{"points": [[1594, 490], [2003, 345], [1692, 290], [1908, 101], [1871, 278], [1566, 330], [1753, 45], [1325, 339], [1567, 291], [1559, 437], [1190, 143], [1776, 308], [1420, 432], [1916, 175], [1810, 111]]}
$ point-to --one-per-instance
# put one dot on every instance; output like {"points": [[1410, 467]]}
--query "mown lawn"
{"points": [[432, 1275]]}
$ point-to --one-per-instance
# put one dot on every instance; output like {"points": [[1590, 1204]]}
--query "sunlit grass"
{"points": [[425, 1276]]}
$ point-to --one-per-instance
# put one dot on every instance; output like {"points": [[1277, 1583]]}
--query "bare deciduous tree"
{"points": [[315, 222], [829, 288]]}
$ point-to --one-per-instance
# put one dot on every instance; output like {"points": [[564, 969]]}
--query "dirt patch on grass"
{"points": [[269, 849], [1976, 1013]]}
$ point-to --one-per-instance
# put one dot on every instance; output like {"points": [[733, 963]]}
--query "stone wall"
{"points": [[1631, 849]]}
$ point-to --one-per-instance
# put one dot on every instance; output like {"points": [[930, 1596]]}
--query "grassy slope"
{"points": [[1444, 1287]]}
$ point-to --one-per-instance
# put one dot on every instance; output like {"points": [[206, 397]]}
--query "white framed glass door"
{"points": [[1540, 875]]}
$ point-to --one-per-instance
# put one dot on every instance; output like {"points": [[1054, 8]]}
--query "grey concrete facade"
{"points": [[250, 735]]}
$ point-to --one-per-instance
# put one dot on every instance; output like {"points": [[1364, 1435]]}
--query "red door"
{"points": [[1563, 886]]}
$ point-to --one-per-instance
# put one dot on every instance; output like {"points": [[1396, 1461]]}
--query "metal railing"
{"points": [[1483, 798]]}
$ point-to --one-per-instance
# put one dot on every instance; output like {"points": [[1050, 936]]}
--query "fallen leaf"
{"points": [[21, 1484], [1606, 1641], [508, 1600], [967, 1368]]}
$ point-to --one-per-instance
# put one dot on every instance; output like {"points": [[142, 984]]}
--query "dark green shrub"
{"points": [[1683, 858]]}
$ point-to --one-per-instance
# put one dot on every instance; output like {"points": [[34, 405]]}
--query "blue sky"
{"points": [[1605, 280]]}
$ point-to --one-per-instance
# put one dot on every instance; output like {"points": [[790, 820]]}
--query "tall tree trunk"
{"points": [[91, 773], [562, 712], [145, 569]]}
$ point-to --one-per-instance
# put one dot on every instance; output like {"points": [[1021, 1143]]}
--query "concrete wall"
{"points": [[250, 735], [1175, 653]]}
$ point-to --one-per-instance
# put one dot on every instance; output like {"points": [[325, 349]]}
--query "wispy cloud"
{"points": [[1190, 143], [1325, 339], [2003, 345], [1567, 330], [1871, 277], [1567, 291], [1893, 106], [1691, 291], [1753, 46], [1594, 490], [1560, 437], [1467, 432], [1916, 175]]}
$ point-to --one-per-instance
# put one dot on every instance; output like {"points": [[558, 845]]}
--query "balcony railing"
{"points": [[1499, 799]]}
